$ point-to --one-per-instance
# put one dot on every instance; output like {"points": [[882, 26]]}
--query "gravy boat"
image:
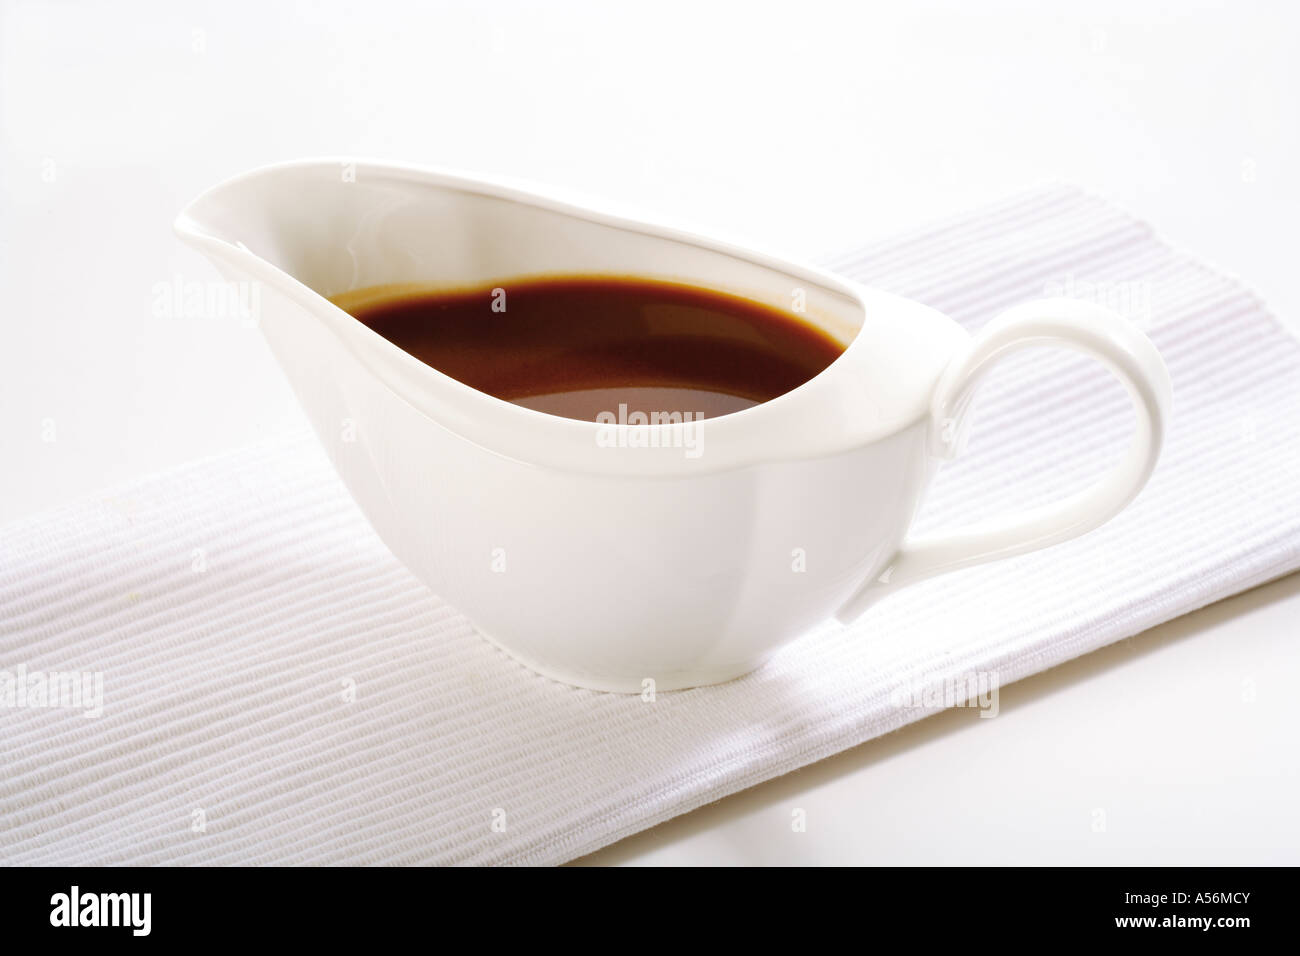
{"points": [[611, 556]]}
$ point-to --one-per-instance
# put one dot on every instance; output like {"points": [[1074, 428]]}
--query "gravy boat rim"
{"points": [[829, 414]]}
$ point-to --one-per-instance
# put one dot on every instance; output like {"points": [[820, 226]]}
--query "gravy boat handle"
{"points": [[1066, 323]]}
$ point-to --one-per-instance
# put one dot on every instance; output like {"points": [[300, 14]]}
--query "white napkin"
{"points": [[276, 688]]}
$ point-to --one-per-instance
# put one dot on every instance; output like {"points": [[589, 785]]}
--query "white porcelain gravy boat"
{"points": [[609, 556]]}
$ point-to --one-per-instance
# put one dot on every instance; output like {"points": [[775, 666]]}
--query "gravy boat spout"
{"points": [[627, 557]]}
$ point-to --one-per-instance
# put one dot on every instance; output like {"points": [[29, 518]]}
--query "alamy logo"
{"points": [[102, 909], [686, 430], [74, 690], [977, 689]]}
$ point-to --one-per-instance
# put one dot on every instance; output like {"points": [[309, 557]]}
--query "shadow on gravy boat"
{"points": [[606, 555]]}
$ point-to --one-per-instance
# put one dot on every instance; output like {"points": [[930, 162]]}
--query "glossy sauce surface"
{"points": [[579, 347]]}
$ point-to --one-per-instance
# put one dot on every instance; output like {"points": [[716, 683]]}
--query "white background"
{"points": [[802, 128]]}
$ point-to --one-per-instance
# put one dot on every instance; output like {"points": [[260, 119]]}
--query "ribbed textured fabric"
{"points": [[278, 689]]}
